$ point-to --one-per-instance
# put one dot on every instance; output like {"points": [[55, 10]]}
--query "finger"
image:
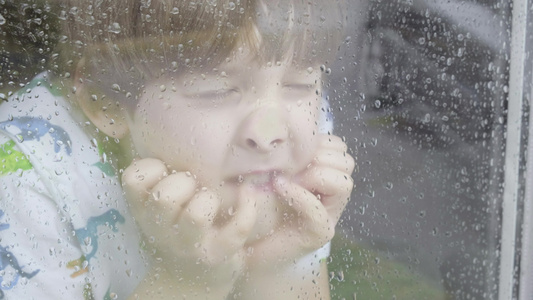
{"points": [[170, 195], [234, 234], [326, 182], [332, 142], [141, 175], [308, 208], [246, 214], [202, 209], [334, 159]]}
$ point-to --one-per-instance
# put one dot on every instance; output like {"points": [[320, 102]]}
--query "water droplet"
{"points": [[240, 179], [340, 275], [310, 70], [231, 6], [20, 138], [3, 97], [389, 185], [175, 11], [421, 41], [94, 97], [113, 296], [23, 281], [426, 119], [449, 61], [2, 20], [162, 88], [231, 211], [435, 231], [460, 52], [114, 28], [156, 195], [87, 241], [115, 87], [290, 201], [377, 103]]}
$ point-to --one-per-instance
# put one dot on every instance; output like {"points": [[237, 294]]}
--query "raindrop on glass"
{"points": [[114, 28]]}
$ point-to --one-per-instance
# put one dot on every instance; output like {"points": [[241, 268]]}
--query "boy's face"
{"points": [[241, 122]]}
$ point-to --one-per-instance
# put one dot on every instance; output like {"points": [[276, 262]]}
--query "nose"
{"points": [[264, 129]]}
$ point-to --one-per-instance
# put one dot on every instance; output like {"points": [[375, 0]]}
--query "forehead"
{"points": [[242, 62]]}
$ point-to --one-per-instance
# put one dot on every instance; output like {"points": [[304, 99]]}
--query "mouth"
{"points": [[261, 180]]}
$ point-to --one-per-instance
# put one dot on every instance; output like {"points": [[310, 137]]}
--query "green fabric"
{"points": [[55, 89], [12, 160], [361, 273]]}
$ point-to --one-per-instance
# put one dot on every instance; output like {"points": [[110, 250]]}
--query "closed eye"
{"points": [[219, 95], [300, 86], [298, 91]]}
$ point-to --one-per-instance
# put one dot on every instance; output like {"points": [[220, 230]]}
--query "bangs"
{"points": [[128, 42], [306, 32]]}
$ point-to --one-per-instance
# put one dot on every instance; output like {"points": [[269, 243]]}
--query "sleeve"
{"points": [[38, 251], [311, 262]]}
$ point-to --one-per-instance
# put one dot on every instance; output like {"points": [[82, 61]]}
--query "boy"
{"points": [[214, 108]]}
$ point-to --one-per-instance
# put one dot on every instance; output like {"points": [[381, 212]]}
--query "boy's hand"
{"points": [[179, 221], [317, 197]]}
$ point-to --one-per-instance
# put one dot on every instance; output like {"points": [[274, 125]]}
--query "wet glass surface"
{"points": [[419, 92]]}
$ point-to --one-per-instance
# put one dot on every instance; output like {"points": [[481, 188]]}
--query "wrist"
{"points": [[199, 272]]}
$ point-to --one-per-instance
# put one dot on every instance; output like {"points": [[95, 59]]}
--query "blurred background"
{"points": [[423, 108]]}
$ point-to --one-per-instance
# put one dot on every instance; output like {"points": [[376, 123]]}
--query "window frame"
{"points": [[517, 207]]}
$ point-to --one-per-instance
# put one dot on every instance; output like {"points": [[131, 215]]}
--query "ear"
{"points": [[105, 113]]}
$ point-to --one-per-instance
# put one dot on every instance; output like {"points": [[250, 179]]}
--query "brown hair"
{"points": [[123, 43]]}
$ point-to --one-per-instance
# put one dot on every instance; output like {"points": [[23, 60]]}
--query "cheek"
{"points": [[304, 123], [206, 144], [304, 133]]}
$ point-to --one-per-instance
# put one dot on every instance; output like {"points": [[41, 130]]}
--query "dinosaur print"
{"points": [[8, 259], [12, 160], [88, 236], [35, 128]]}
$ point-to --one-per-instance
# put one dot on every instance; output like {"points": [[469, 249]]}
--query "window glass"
{"points": [[209, 148]]}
